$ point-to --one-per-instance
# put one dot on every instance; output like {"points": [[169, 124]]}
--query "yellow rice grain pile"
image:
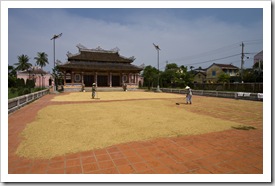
{"points": [[70, 128]]}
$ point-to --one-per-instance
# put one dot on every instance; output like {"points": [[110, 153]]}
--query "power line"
{"points": [[215, 51], [251, 41], [211, 52], [213, 60]]}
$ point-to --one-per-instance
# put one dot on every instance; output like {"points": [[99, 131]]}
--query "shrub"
{"points": [[12, 81], [36, 89], [20, 83], [29, 83], [23, 91], [13, 90]]}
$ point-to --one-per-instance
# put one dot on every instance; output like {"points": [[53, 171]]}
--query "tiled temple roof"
{"points": [[99, 66], [99, 60], [99, 55]]}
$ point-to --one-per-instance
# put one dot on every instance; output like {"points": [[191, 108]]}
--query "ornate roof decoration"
{"points": [[80, 46], [116, 49], [69, 54], [99, 48], [98, 54], [142, 66]]}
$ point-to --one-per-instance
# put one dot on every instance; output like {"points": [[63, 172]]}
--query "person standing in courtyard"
{"points": [[93, 90], [124, 87], [188, 95]]}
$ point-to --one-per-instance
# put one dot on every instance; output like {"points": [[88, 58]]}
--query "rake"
{"points": [[97, 95]]}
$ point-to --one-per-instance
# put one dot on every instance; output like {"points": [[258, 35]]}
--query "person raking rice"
{"points": [[188, 95]]}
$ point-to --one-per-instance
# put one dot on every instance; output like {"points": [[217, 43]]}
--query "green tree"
{"points": [[171, 66], [248, 75], [188, 77], [258, 65], [170, 77], [30, 84], [258, 71], [224, 78], [41, 59], [58, 76], [175, 76], [254, 74], [20, 83], [23, 63], [12, 76], [150, 75]]}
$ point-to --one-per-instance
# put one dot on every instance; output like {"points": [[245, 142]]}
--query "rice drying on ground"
{"points": [[70, 128], [107, 96]]}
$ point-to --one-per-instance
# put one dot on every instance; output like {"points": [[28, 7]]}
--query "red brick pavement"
{"points": [[226, 152]]}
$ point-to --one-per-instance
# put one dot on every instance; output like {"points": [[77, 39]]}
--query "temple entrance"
{"points": [[102, 81], [115, 81], [50, 82], [88, 80]]}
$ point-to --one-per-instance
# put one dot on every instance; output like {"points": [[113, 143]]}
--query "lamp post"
{"points": [[54, 38], [158, 49]]}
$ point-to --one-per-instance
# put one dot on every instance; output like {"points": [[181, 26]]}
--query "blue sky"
{"points": [[186, 36]]}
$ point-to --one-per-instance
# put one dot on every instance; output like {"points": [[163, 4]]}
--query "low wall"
{"points": [[18, 102], [223, 94], [236, 87]]}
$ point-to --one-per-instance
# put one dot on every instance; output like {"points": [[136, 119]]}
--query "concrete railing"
{"points": [[18, 102], [235, 95]]}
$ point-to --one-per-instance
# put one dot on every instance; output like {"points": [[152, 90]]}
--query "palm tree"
{"points": [[41, 59], [23, 63]]}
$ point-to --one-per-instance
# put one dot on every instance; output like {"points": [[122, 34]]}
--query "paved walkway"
{"points": [[227, 152]]}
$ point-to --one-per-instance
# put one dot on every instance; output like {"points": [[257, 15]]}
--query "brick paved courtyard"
{"points": [[226, 152]]}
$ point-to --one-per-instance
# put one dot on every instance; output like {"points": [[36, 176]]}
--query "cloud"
{"points": [[30, 31]]}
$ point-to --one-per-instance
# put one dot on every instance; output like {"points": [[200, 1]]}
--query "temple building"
{"points": [[106, 68]]}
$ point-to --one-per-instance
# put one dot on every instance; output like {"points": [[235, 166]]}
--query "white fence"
{"points": [[18, 102], [236, 95]]}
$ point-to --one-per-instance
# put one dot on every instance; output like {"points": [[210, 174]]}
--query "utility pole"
{"points": [[158, 49], [242, 62], [55, 79]]}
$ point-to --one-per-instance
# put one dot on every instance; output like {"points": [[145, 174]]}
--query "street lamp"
{"points": [[54, 38], [158, 49]]}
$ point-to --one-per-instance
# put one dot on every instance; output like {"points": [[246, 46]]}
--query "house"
{"points": [[199, 75], [258, 57], [106, 68], [215, 70], [40, 77]]}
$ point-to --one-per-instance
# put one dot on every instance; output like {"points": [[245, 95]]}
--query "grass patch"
{"points": [[15, 92]]}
